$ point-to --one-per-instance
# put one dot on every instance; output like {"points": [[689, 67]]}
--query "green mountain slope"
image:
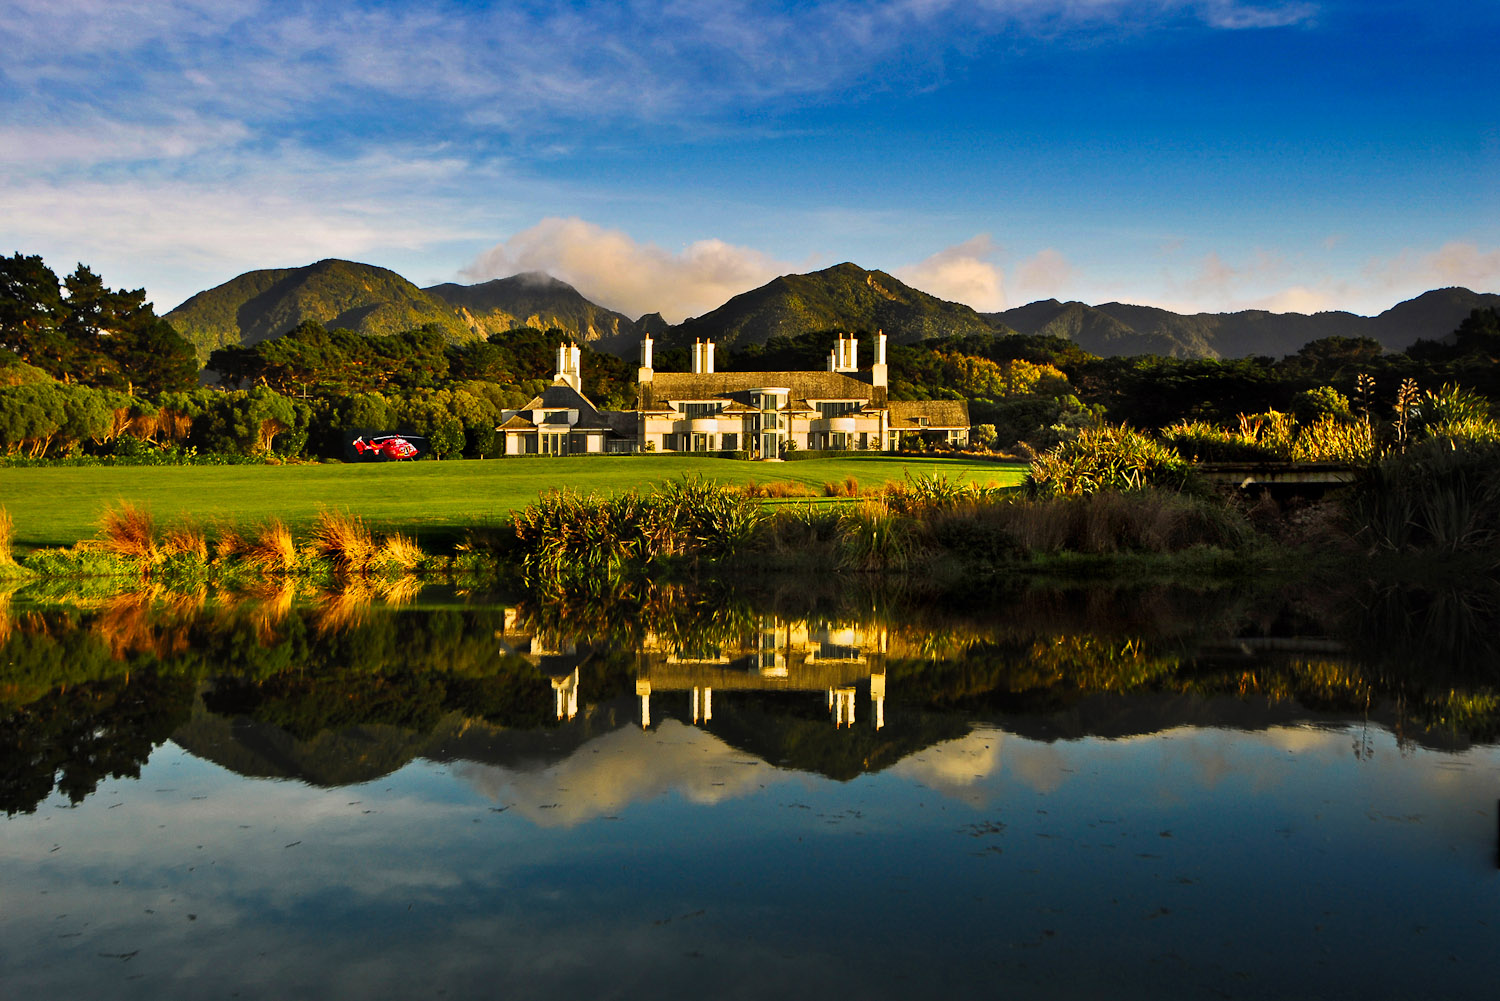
{"points": [[260, 305], [1116, 328], [843, 297], [535, 300]]}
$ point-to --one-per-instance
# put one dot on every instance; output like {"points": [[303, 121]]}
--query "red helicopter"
{"points": [[387, 446]]}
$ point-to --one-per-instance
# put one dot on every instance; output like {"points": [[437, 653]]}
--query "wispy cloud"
{"points": [[962, 273]]}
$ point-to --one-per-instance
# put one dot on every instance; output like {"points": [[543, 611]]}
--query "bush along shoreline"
{"points": [[1110, 501]]}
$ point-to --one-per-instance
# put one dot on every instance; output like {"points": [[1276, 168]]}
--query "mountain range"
{"points": [[1117, 328], [371, 300]]}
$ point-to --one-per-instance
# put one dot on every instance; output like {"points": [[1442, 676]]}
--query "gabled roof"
{"points": [[941, 414], [561, 396], [803, 385], [516, 423]]}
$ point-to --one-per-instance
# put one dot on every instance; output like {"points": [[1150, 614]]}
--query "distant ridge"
{"points": [[263, 304], [1116, 328]]}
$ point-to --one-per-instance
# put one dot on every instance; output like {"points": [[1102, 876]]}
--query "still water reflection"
{"points": [[1084, 794]]}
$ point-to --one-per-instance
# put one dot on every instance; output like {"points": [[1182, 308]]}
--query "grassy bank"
{"points": [[433, 501]]}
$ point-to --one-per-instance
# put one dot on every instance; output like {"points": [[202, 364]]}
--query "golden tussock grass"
{"points": [[185, 539], [403, 551], [783, 489], [273, 549], [7, 538], [229, 542], [344, 538], [130, 532]]}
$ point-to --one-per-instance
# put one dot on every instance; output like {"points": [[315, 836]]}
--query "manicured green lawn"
{"points": [[59, 506]]}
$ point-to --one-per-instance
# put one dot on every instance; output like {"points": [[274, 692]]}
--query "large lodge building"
{"points": [[763, 414]]}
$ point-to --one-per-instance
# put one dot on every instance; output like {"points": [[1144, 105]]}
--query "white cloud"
{"points": [[1454, 263], [1295, 284], [1048, 275], [178, 236], [621, 769], [1235, 16], [961, 273], [614, 270]]}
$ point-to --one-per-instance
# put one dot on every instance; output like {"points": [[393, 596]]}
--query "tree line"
{"points": [[90, 371]]}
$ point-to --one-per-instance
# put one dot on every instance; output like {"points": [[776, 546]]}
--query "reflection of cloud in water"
{"points": [[958, 768], [620, 768]]}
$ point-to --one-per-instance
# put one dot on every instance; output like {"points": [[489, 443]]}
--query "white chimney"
{"points": [[845, 357], [703, 357], [568, 366], [644, 374]]}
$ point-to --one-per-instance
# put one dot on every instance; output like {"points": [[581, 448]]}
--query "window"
{"points": [[693, 410], [731, 442], [836, 407]]}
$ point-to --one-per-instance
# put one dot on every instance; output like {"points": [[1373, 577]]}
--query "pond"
{"points": [[1027, 793]]}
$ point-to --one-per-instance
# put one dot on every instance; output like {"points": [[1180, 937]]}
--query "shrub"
{"points": [[1107, 458], [873, 537], [1440, 493], [1329, 439], [1204, 442], [590, 541]]}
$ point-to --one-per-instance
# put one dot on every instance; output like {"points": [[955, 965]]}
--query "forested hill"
{"points": [[540, 301], [843, 297], [1116, 328], [260, 305]]}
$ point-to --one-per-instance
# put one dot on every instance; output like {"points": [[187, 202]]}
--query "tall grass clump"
{"points": [[1204, 442], [130, 533], [401, 551], [185, 539], [272, 550], [344, 538], [567, 538], [872, 536], [7, 539], [1441, 494], [1104, 458], [1105, 522], [1329, 439]]}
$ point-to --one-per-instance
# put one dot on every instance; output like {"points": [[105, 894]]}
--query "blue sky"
{"points": [[1197, 154]]}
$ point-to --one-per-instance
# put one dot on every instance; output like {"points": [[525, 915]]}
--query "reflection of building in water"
{"points": [[780, 656], [552, 656], [567, 695]]}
